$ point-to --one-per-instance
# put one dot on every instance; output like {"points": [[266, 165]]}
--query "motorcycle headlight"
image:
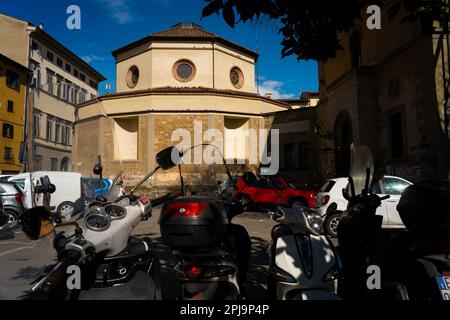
{"points": [[315, 222]]}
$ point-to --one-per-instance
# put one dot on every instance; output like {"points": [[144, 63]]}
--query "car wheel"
{"points": [[11, 220], [65, 209], [331, 224], [244, 201], [299, 203]]}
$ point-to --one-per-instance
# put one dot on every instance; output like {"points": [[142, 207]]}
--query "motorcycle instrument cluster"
{"points": [[96, 219], [115, 212]]}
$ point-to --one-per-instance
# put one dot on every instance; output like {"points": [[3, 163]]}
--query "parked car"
{"points": [[4, 178], [276, 191], [67, 199], [12, 201], [330, 202]]}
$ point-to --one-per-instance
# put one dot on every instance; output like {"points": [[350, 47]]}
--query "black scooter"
{"points": [[415, 263], [213, 253]]}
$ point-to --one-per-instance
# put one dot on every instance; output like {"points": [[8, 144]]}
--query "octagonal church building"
{"points": [[171, 87]]}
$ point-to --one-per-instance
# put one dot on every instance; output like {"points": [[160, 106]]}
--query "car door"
{"points": [[23, 183], [394, 187], [280, 191]]}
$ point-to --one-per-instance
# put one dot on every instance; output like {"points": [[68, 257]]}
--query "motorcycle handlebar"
{"points": [[168, 197], [54, 278]]}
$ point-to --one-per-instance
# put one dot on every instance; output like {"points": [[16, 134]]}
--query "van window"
{"points": [[328, 186], [19, 183]]}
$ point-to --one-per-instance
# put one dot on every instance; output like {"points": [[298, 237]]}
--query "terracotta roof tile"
{"points": [[185, 29]]}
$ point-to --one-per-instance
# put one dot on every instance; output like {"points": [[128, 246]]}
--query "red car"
{"points": [[275, 192]]}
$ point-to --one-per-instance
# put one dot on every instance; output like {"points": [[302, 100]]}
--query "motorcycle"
{"points": [[303, 263], [415, 263], [109, 262], [213, 253]]}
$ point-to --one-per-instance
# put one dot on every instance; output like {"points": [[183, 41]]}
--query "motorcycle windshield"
{"points": [[361, 160]]}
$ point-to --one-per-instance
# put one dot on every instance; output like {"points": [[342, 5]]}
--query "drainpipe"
{"points": [[27, 143]]}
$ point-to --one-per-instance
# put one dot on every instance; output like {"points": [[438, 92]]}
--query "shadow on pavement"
{"points": [[258, 271], [7, 235]]}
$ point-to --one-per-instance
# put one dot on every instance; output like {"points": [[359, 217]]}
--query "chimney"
{"points": [[269, 95]]}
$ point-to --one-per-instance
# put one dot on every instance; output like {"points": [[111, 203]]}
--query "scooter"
{"points": [[303, 263], [213, 253], [413, 264], [100, 257]]}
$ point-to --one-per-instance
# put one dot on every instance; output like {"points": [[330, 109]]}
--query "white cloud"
{"points": [[119, 10], [275, 88], [93, 57]]}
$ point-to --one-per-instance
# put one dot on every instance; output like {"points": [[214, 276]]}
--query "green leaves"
{"points": [[228, 13], [311, 27], [213, 7]]}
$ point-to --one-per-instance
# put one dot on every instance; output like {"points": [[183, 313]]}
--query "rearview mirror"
{"points": [[98, 168], [36, 223], [168, 158]]}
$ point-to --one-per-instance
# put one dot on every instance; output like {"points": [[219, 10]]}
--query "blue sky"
{"points": [[109, 24]]}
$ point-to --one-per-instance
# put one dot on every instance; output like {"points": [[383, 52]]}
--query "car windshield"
{"points": [[328, 186], [393, 186]]}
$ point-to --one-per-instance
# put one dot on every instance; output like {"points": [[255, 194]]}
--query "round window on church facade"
{"points": [[184, 70], [236, 77], [132, 77]]}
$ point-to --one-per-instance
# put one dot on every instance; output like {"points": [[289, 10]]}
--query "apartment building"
{"points": [[61, 81], [12, 113]]}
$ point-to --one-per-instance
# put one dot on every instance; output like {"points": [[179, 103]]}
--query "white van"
{"points": [[69, 195]]}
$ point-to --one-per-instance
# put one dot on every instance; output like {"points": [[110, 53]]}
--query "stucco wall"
{"points": [[213, 63], [14, 41]]}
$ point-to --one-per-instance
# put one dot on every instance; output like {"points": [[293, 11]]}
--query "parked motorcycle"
{"points": [[112, 264], [303, 263], [212, 252], [414, 264]]}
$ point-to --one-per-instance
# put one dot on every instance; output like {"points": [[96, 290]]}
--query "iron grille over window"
{"points": [[184, 71]]}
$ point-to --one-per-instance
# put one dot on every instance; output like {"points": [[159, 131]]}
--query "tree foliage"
{"points": [[310, 28]]}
